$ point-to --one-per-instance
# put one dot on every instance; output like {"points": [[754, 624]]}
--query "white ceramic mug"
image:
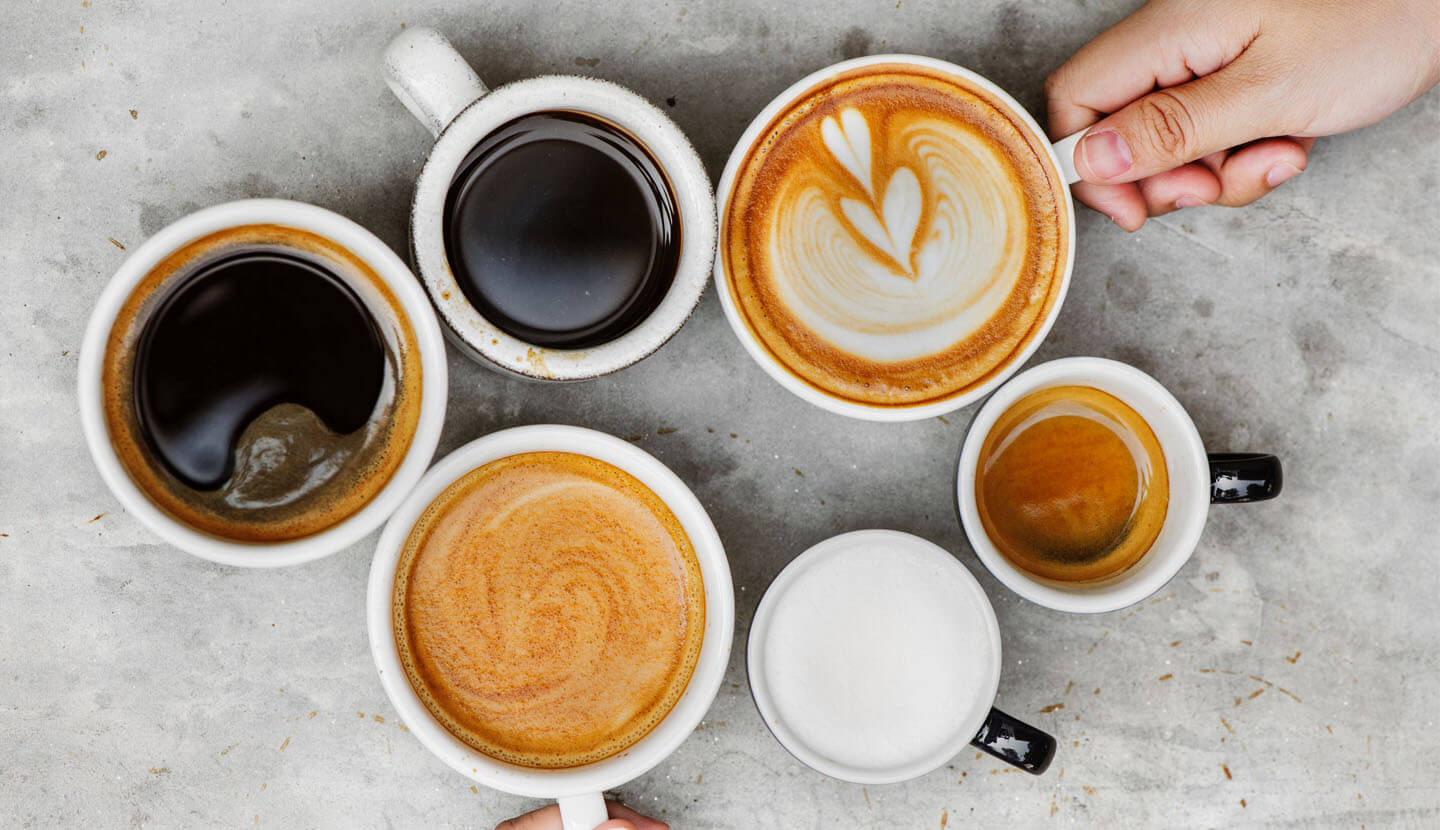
{"points": [[382, 261], [439, 88], [1060, 163], [578, 789], [884, 687], [1196, 481]]}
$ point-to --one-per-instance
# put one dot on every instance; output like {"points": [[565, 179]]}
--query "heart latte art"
{"points": [[895, 237]]}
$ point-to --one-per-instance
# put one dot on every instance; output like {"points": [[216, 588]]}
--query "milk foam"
{"points": [[922, 263], [876, 656]]}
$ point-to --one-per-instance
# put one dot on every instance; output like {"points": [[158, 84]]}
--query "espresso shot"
{"points": [[261, 384], [561, 230]]}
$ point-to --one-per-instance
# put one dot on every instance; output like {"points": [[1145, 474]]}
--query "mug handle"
{"points": [[1013, 742], [430, 78], [1237, 477], [583, 812], [1065, 154]]}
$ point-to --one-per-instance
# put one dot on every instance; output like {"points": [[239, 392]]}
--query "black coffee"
{"points": [[253, 329], [562, 230]]}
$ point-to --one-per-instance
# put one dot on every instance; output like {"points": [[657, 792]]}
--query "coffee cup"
{"points": [[576, 785], [1190, 482], [262, 382], [896, 237], [874, 658], [564, 227]]}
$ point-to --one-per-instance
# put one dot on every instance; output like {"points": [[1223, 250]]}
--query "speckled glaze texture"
{"points": [[1286, 677]]}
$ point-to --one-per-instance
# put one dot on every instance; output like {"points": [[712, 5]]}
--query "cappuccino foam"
{"points": [[548, 609], [895, 236], [875, 658]]}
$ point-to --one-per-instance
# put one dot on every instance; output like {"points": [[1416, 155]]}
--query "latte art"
{"points": [[913, 266], [895, 237]]}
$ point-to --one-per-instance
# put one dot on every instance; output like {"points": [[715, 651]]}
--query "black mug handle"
{"points": [[1244, 476], [1015, 743]]}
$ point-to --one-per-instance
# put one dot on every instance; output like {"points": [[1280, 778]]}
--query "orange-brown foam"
{"points": [[1071, 484], [548, 609], [371, 455], [790, 155]]}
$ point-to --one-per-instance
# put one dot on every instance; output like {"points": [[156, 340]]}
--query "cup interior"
{"points": [[1185, 463], [662, 139], [364, 245], [782, 598], [777, 370], [709, 668]]}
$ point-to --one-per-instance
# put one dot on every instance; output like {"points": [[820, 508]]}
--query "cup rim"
{"points": [[385, 264], [754, 662], [777, 370], [1159, 565], [485, 342], [710, 667]]}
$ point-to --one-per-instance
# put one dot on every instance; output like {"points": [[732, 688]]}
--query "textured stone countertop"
{"points": [[1288, 676]]}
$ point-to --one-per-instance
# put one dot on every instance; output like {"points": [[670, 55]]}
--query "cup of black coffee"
{"points": [[564, 227], [262, 382]]}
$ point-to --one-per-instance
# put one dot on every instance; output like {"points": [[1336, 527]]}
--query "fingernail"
{"points": [[1106, 153], [1190, 201], [1281, 173]]}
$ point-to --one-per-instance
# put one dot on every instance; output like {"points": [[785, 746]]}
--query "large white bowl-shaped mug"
{"points": [[359, 242], [439, 88], [578, 789], [1059, 164], [1197, 480]]}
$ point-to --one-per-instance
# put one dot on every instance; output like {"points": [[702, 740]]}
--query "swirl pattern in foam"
{"points": [[549, 609], [895, 237]]}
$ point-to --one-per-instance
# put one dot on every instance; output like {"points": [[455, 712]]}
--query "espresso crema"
{"points": [[896, 236], [261, 384], [548, 609]]}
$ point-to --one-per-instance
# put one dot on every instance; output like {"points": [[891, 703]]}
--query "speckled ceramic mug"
{"points": [[444, 93]]}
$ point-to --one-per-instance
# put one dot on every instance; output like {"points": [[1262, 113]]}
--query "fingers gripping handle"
{"points": [[583, 812], [430, 78], [1065, 154]]}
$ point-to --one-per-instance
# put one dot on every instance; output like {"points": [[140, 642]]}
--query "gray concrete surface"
{"points": [[1288, 677]]}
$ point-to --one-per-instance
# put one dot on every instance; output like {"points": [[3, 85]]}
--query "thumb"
{"points": [[1174, 126]]}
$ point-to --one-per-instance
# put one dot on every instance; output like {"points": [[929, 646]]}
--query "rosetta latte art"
{"points": [[895, 237], [922, 260]]}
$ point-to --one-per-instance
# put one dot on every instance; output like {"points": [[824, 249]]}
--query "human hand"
{"points": [[1219, 102], [548, 818]]}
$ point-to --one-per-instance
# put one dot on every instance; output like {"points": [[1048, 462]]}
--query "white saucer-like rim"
{"points": [[714, 650], [1185, 463], [360, 242], [803, 388], [665, 142], [775, 596]]}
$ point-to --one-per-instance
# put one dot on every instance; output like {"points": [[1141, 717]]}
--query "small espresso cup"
{"points": [[885, 223], [578, 789], [440, 89], [1195, 481], [874, 658], [189, 240]]}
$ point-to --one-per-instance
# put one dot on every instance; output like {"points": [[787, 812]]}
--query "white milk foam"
{"points": [[935, 283], [876, 656]]}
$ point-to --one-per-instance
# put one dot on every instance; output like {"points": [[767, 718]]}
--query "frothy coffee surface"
{"points": [[261, 384], [874, 657], [548, 609], [1071, 484], [895, 236]]}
